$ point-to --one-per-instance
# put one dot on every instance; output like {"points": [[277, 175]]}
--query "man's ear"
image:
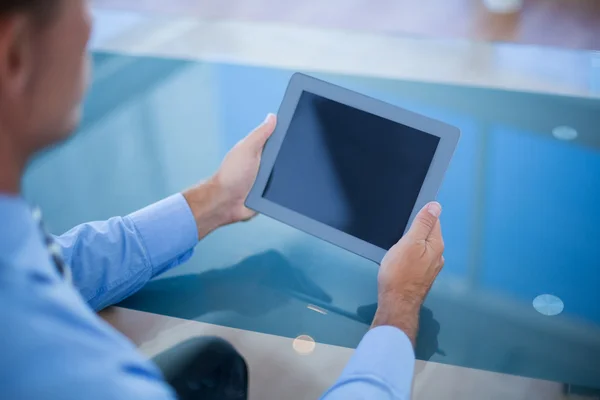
{"points": [[16, 54]]}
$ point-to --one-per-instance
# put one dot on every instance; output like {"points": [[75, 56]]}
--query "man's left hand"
{"points": [[220, 200]]}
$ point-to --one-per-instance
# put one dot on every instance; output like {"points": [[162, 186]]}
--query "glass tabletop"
{"points": [[519, 292]]}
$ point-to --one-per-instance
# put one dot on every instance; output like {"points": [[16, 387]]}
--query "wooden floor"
{"points": [[562, 23]]}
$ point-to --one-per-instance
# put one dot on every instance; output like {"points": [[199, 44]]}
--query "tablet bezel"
{"points": [[449, 136]]}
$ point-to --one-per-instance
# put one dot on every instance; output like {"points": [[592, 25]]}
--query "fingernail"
{"points": [[434, 209], [268, 118]]}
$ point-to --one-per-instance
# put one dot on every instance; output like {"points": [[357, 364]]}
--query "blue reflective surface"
{"points": [[520, 218]]}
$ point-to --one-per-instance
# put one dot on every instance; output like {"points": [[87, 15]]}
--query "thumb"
{"points": [[425, 221], [262, 133]]}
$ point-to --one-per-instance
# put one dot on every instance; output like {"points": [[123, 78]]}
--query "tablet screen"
{"points": [[351, 170]]}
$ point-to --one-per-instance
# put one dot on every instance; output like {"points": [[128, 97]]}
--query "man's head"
{"points": [[43, 72]]}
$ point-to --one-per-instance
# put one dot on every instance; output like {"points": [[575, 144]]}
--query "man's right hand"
{"points": [[408, 271]]}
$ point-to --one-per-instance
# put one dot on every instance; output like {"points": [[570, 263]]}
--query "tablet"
{"points": [[349, 169]]}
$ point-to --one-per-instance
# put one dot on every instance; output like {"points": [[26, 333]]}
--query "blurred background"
{"points": [[516, 312], [563, 23]]}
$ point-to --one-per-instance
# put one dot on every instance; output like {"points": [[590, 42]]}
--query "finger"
{"points": [[258, 137], [435, 238], [439, 265], [425, 222]]}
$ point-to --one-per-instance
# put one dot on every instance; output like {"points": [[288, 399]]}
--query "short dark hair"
{"points": [[20, 5], [41, 8]]}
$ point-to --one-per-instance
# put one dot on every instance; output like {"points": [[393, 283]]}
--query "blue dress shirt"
{"points": [[53, 345]]}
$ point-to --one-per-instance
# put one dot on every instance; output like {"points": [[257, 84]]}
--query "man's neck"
{"points": [[12, 167]]}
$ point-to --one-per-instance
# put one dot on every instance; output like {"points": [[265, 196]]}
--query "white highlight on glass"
{"points": [[548, 304], [564, 133], [304, 345], [316, 309], [503, 6]]}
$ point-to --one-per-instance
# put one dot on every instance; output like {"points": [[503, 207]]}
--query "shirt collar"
{"points": [[20, 237], [14, 210]]}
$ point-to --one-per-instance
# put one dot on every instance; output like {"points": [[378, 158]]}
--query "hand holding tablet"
{"points": [[349, 169]]}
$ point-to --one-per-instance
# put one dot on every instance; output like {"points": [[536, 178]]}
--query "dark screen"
{"points": [[351, 170]]}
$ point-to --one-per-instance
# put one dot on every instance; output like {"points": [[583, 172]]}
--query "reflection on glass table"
{"points": [[520, 214]]}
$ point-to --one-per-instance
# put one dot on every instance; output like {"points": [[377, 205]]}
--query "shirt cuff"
{"points": [[386, 354], [168, 230]]}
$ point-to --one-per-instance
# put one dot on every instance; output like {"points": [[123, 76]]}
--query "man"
{"points": [[52, 343]]}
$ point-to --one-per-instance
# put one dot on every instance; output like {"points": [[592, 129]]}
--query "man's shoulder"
{"points": [[24, 258]]}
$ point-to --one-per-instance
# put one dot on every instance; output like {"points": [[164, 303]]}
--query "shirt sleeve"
{"points": [[110, 260], [381, 368]]}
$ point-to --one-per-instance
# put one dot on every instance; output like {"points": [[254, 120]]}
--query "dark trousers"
{"points": [[205, 368]]}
